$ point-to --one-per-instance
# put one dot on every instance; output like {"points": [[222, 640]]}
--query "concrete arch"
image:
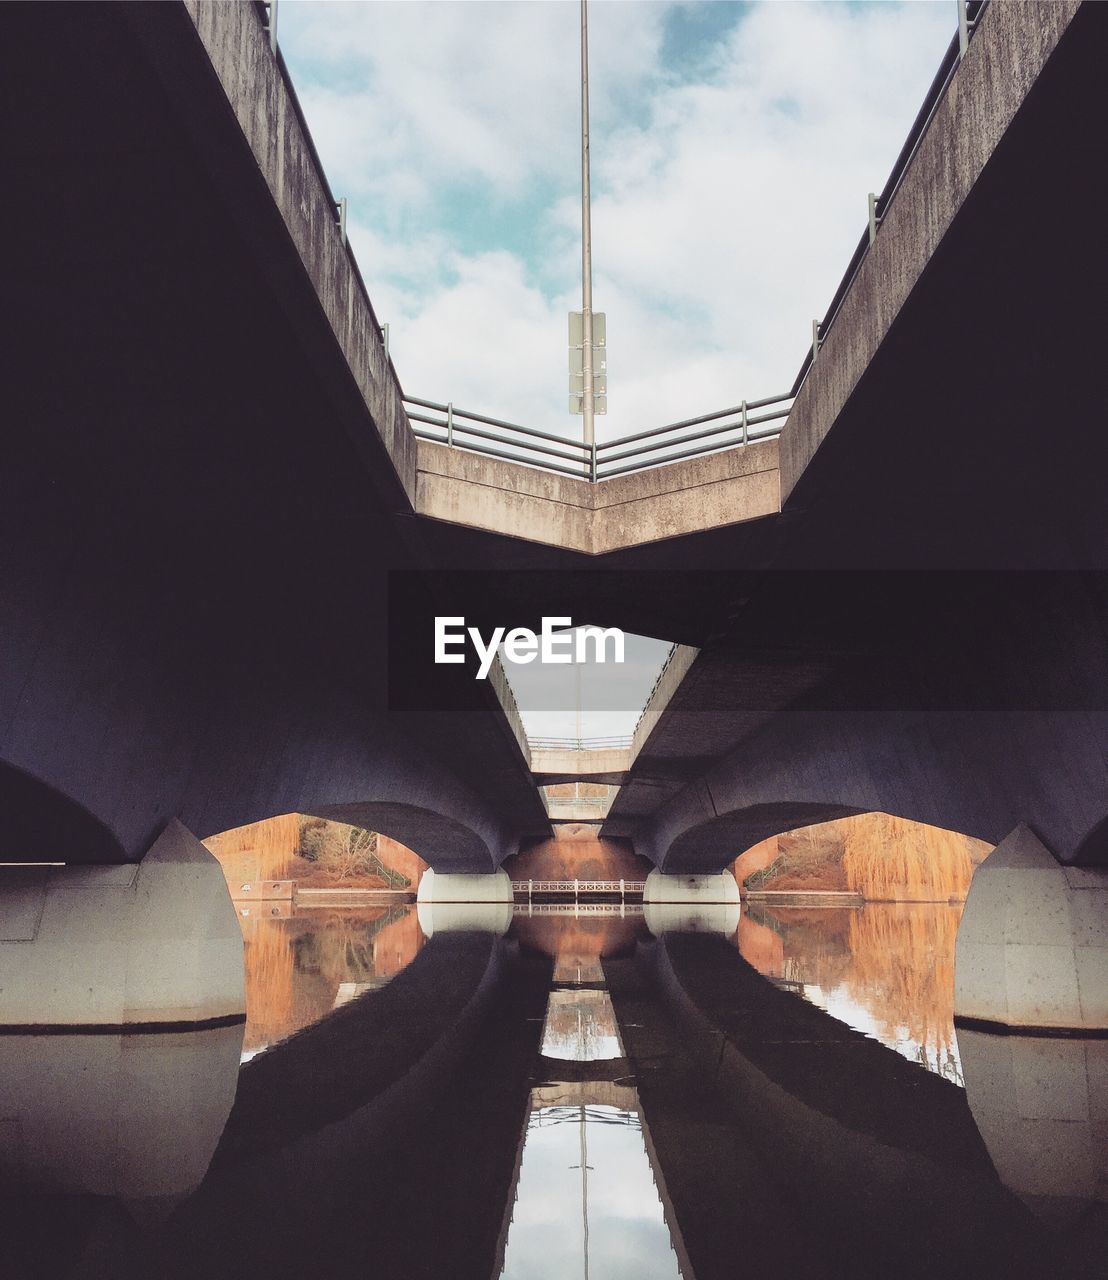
{"points": [[446, 844], [712, 844]]}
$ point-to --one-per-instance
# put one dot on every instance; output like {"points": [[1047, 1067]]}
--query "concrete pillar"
{"points": [[115, 947], [134, 1116], [1041, 1106], [1033, 943], [449, 902], [691, 904]]}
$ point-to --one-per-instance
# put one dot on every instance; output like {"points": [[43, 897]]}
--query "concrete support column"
{"points": [[122, 947], [691, 904], [1033, 943], [447, 902]]}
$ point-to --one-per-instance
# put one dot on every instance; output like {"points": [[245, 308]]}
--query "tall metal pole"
{"points": [[586, 247]]}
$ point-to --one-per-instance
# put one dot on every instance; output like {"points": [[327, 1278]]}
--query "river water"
{"points": [[587, 1095]]}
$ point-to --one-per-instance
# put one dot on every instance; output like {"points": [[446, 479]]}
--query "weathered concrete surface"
{"points": [[517, 501], [1033, 942], [551, 766], [121, 946]]}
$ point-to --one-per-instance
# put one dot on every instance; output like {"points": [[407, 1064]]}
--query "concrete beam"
{"points": [[497, 496], [550, 766]]}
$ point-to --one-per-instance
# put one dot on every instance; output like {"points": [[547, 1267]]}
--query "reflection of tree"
{"points": [[294, 966], [815, 946], [894, 960], [902, 971]]}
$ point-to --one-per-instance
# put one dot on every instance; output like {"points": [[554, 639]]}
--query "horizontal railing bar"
{"points": [[677, 457], [693, 422], [701, 435], [488, 435], [493, 422], [508, 457]]}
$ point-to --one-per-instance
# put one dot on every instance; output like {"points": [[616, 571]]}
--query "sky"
{"points": [[733, 146]]}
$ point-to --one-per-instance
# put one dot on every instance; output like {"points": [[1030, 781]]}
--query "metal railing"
{"points": [[579, 888], [734, 427], [612, 743]]}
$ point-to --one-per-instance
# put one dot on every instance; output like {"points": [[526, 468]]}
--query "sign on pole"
{"points": [[577, 362]]}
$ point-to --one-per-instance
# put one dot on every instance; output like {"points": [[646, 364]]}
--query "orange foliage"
{"points": [[902, 970], [893, 859]]}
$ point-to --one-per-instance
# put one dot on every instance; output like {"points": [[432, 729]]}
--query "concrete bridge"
{"points": [[211, 489]]}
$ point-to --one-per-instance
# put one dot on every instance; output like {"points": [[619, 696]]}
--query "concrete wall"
{"points": [[508, 498]]}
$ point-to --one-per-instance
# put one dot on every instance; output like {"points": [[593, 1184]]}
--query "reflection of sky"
{"points": [[839, 1004], [885, 969], [627, 1233], [581, 1026]]}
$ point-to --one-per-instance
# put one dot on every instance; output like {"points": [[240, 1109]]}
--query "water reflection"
{"points": [[587, 1200], [486, 1084], [886, 969], [302, 962], [133, 1116], [581, 1027]]}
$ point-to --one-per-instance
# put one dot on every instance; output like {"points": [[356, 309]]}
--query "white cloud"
{"points": [[725, 210]]}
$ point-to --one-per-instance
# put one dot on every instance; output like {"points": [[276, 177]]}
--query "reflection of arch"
{"points": [[42, 823]]}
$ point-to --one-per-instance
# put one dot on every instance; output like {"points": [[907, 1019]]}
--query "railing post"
{"points": [[744, 436], [963, 29], [872, 217], [341, 210], [273, 25], [815, 339], [450, 424], [592, 459], [385, 338]]}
